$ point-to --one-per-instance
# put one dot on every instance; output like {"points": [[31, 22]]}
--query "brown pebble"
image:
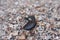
{"points": [[22, 37]]}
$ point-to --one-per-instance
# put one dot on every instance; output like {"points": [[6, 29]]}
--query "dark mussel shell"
{"points": [[31, 24]]}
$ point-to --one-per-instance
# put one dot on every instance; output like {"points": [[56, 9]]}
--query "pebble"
{"points": [[22, 37], [38, 17], [16, 3], [41, 23]]}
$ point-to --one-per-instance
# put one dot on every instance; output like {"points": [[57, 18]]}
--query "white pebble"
{"points": [[16, 3]]}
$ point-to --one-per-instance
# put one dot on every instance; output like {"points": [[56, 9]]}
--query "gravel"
{"points": [[13, 12]]}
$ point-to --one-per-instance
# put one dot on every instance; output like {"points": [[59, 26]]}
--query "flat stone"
{"points": [[22, 37]]}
